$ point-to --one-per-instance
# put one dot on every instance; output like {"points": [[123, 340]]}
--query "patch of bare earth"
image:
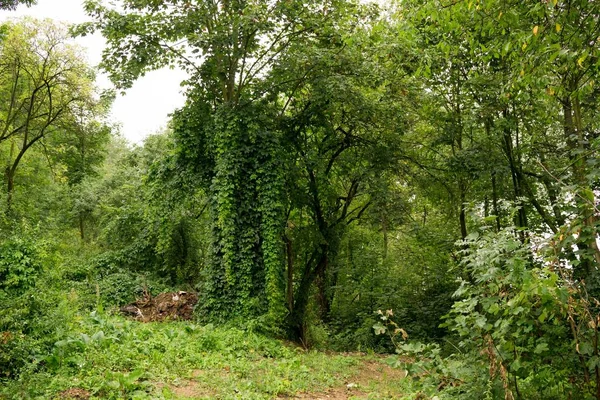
{"points": [[191, 388], [74, 394], [369, 374]]}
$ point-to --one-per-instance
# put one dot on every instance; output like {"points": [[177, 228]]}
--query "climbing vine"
{"points": [[229, 135], [245, 276]]}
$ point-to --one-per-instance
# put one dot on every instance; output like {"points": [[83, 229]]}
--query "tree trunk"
{"points": [[495, 202], [10, 187], [515, 175], [12, 169], [290, 274], [573, 130], [9, 177], [322, 286], [585, 204], [488, 122], [463, 213], [384, 228], [81, 227], [553, 198], [302, 295]]}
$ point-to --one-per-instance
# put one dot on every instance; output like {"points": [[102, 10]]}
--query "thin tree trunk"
{"points": [[514, 172], [290, 273], [589, 204], [10, 187], [81, 227], [495, 202], [8, 177], [488, 122], [573, 130], [322, 298], [463, 212], [384, 228]]}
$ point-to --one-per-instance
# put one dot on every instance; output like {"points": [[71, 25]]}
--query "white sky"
{"points": [[145, 107]]}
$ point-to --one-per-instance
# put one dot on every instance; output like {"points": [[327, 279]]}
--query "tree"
{"points": [[12, 4], [44, 79], [343, 126], [526, 73], [526, 70], [227, 130]]}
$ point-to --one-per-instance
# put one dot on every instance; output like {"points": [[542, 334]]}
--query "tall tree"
{"points": [[44, 79], [342, 126], [227, 128]]}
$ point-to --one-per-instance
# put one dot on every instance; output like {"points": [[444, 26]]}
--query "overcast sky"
{"points": [[145, 107]]}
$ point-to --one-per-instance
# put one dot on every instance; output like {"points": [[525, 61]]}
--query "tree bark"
{"points": [[384, 228], [573, 131], [81, 227], [495, 202], [463, 213], [290, 274], [10, 187], [301, 298], [515, 175], [322, 286]]}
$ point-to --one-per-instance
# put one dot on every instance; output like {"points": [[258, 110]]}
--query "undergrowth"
{"points": [[111, 357]]}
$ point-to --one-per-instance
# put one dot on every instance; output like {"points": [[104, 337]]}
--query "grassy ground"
{"points": [[114, 358]]}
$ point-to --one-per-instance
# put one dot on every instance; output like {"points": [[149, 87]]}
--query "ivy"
{"points": [[245, 276]]}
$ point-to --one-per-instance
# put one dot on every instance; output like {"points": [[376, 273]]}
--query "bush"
{"points": [[526, 329], [518, 314], [19, 263], [31, 321]]}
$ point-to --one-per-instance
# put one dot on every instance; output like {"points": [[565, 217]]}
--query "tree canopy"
{"points": [[12, 4]]}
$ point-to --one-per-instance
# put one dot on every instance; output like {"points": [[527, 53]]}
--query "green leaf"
{"points": [[113, 384], [379, 329], [540, 348]]}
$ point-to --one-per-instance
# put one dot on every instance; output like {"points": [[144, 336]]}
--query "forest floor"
{"points": [[108, 356], [369, 379]]}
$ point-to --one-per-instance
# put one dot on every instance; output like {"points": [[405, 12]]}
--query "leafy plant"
{"points": [[19, 263], [128, 385]]}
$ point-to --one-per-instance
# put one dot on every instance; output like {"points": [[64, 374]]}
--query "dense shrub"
{"points": [[19, 263], [525, 328]]}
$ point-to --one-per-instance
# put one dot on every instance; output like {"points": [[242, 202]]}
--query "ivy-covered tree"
{"points": [[227, 131]]}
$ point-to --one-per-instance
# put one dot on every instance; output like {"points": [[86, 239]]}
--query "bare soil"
{"points": [[165, 306], [74, 394]]}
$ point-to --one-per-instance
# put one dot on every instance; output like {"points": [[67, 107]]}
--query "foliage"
{"points": [[111, 357], [369, 282], [519, 312], [36, 307], [12, 4], [19, 264], [327, 159], [527, 324], [44, 81]]}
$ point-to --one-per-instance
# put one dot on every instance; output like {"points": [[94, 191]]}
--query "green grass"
{"points": [[114, 358]]}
